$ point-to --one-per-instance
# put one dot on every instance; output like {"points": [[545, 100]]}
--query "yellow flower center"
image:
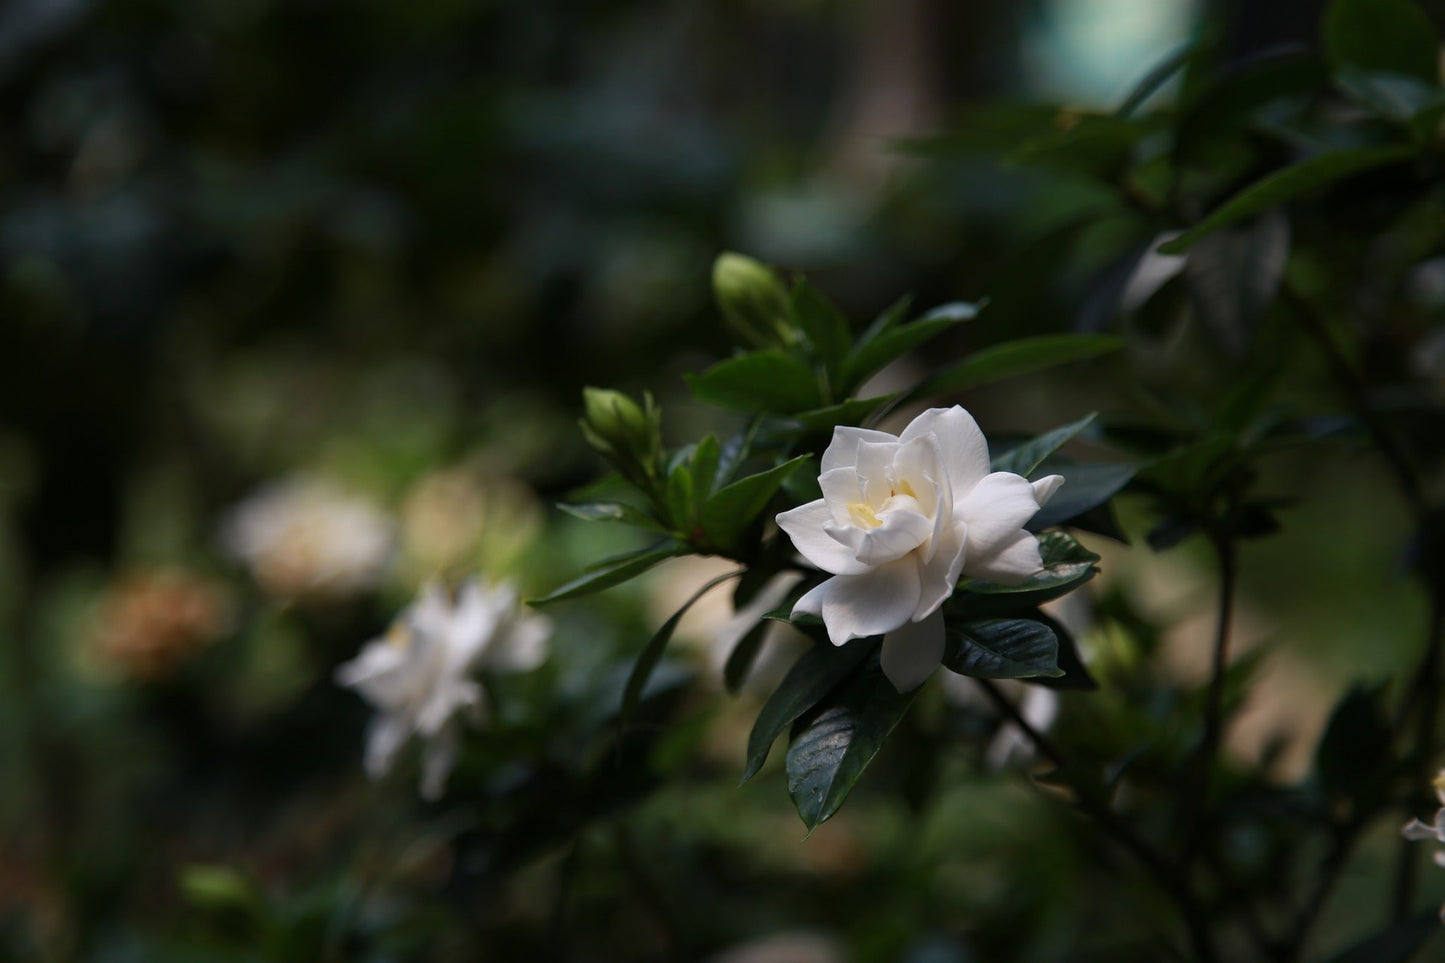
{"points": [[863, 515]]}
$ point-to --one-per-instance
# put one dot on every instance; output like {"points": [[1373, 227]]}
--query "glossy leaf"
{"points": [[652, 652], [740, 660], [872, 356], [824, 325], [1002, 649], [811, 678], [613, 571], [1019, 357], [1157, 77], [1085, 488], [1023, 459], [1284, 185], [612, 512], [771, 382], [826, 758], [734, 506]]}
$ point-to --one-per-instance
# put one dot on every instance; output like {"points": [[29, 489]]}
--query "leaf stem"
{"points": [[1150, 858], [1207, 756]]}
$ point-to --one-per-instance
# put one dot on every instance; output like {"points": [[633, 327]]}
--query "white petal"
{"points": [[436, 764], [960, 442], [857, 606], [1416, 831], [903, 529], [938, 576], [842, 451], [805, 526], [522, 645], [1008, 564], [1045, 487], [995, 512], [447, 698], [918, 462], [385, 735], [384, 673], [875, 470], [912, 651], [841, 488]]}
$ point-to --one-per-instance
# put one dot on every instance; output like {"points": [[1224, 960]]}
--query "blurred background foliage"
{"points": [[298, 300]]}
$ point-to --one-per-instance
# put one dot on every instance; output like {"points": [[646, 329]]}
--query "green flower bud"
{"points": [[752, 300], [627, 434]]}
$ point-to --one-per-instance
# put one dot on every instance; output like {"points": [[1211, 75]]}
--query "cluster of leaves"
{"points": [[801, 378]]}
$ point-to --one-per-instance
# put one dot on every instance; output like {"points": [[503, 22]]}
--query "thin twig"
{"points": [[1159, 867], [1207, 755], [1426, 691]]}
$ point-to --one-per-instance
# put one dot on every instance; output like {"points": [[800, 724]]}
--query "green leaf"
{"points": [[1157, 77], [851, 412], [1303, 178], [1098, 145], [613, 571], [811, 678], [1019, 357], [733, 507], [1074, 675], [612, 512], [830, 753], [652, 653], [1002, 649], [1393, 35], [744, 654], [1399, 943], [892, 316], [1085, 487], [681, 505], [705, 460], [824, 326], [1350, 757], [760, 382], [869, 357], [1023, 459], [1394, 97]]}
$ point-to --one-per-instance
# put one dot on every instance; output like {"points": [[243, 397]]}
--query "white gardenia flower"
{"points": [[419, 675], [1416, 830], [901, 519]]}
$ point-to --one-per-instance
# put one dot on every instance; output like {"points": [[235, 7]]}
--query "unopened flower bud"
{"points": [[625, 433], [752, 300]]}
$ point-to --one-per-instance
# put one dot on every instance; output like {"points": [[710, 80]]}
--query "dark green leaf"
{"points": [[1350, 757], [1393, 35], [767, 382], [744, 654], [811, 678], [1399, 943], [1023, 459], [891, 316], [1019, 357], [1226, 108], [613, 571], [1393, 97], [1157, 77], [705, 461], [1284, 185], [850, 412], [1085, 487], [681, 505], [955, 311], [824, 326], [612, 512], [733, 507], [1095, 144], [652, 653], [1002, 649], [871, 356], [830, 753], [1075, 675]]}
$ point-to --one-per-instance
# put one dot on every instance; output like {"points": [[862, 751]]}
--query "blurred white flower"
{"points": [[901, 518], [307, 537], [1416, 830], [419, 675]]}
